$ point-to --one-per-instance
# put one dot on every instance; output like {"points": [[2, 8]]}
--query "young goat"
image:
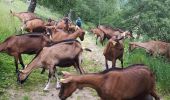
{"points": [[113, 51], [152, 47], [58, 35], [110, 32], [133, 83], [99, 34], [34, 25], [62, 54], [24, 16], [29, 43]]}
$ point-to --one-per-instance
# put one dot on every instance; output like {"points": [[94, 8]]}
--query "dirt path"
{"points": [[85, 94]]}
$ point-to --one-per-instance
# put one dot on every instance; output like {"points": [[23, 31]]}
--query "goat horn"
{"points": [[65, 80], [21, 71], [62, 80], [26, 66], [65, 72]]}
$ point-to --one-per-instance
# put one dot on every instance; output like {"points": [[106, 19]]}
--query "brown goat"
{"points": [[152, 47], [113, 51], [109, 32], [34, 25], [99, 34], [51, 22], [132, 83], [24, 16], [58, 35], [23, 44], [64, 24], [62, 54]]}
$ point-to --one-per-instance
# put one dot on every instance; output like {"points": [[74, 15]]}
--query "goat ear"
{"points": [[67, 80], [66, 74]]}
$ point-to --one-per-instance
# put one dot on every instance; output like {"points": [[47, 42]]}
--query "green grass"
{"points": [[26, 98]]}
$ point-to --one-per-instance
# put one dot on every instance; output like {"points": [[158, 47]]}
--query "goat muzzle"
{"points": [[114, 43]]}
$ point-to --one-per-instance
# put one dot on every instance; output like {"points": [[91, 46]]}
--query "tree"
{"points": [[150, 17], [32, 6]]}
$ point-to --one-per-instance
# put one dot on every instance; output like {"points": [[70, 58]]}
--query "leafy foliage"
{"points": [[150, 17]]}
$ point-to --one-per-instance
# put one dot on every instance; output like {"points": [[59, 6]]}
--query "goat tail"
{"points": [[87, 49]]}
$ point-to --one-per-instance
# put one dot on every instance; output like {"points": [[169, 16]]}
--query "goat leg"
{"points": [[153, 93], [51, 72], [96, 39], [48, 84], [113, 63], [58, 86], [43, 70], [76, 65], [101, 40], [106, 64], [16, 63], [121, 60], [21, 62]]}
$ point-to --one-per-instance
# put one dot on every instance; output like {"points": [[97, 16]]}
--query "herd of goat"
{"points": [[55, 44]]}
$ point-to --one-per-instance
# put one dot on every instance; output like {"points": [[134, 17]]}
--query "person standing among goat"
{"points": [[78, 22]]}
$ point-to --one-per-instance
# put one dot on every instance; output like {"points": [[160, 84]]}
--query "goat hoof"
{"points": [[57, 88], [46, 90]]}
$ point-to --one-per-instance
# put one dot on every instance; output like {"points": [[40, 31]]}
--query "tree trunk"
{"points": [[32, 6]]}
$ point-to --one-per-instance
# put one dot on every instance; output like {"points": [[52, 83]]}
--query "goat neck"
{"points": [[74, 35], [91, 80], [17, 15], [144, 45]]}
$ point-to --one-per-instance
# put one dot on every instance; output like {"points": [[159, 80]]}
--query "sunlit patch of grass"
{"points": [[26, 98]]}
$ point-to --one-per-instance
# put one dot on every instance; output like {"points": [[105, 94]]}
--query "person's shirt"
{"points": [[78, 21]]}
